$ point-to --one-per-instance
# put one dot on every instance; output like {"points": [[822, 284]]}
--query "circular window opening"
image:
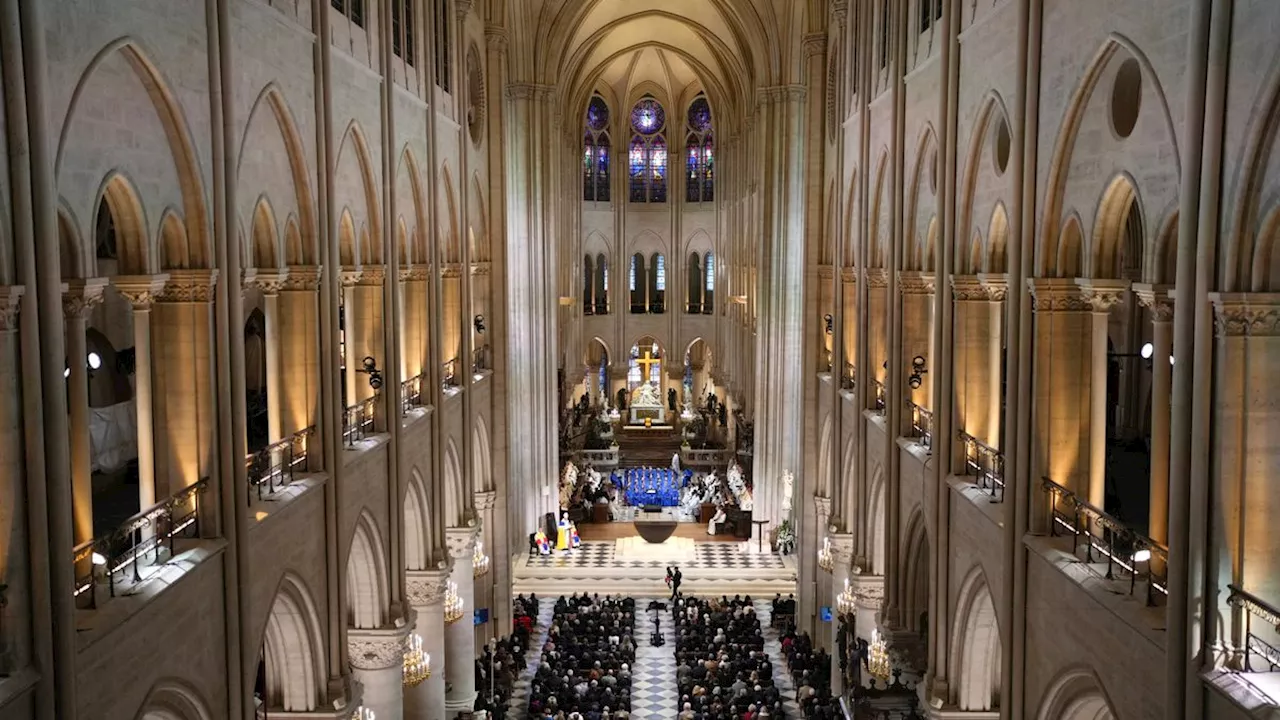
{"points": [[1126, 98], [1000, 145]]}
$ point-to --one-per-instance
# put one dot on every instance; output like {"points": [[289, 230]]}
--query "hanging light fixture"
{"points": [[825, 560], [878, 658], [846, 601], [363, 713], [417, 664], [479, 561], [452, 603]]}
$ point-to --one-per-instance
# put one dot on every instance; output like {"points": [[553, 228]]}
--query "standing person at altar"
{"points": [[675, 463], [562, 534]]}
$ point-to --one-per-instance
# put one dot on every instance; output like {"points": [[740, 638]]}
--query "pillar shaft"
{"points": [[297, 328], [1160, 304], [1102, 296], [377, 662], [460, 636], [78, 301]]}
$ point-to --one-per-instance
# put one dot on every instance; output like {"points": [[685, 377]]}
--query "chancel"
{"points": [[643, 359]]}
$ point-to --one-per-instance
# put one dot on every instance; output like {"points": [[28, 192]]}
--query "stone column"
{"points": [[485, 500], [298, 330], [841, 557], [183, 371], [377, 662], [425, 590], [878, 328], [352, 357], [1159, 301], [79, 298], [369, 314], [1102, 296], [917, 289], [270, 282], [997, 289], [413, 323], [141, 292], [460, 636]]}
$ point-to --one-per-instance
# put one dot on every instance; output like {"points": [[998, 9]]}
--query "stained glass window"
{"points": [[661, 280], [700, 178], [595, 153], [647, 160], [631, 276], [648, 117], [711, 272]]}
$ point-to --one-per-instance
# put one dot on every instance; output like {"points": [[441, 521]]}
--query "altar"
{"points": [[647, 405]]}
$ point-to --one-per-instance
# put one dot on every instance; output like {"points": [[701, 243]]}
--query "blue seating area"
{"points": [[653, 486]]}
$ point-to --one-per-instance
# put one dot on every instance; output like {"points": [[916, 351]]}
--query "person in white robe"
{"points": [[716, 519]]}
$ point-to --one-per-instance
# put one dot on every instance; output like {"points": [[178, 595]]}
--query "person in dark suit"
{"points": [[675, 582]]}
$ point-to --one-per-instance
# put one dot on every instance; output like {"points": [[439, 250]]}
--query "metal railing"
{"points": [[1254, 606], [357, 420], [145, 538], [921, 423], [985, 463], [877, 388], [1106, 536], [849, 378], [411, 393], [480, 359], [274, 466], [449, 373]]}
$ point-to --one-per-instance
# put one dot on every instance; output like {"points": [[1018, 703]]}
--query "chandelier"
{"points": [[878, 658], [479, 561], [846, 601], [417, 664], [452, 603], [363, 713], [825, 560]]}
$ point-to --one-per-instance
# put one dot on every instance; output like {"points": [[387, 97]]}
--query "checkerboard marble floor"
{"points": [[724, 556], [653, 681], [773, 646], [518, 706]]}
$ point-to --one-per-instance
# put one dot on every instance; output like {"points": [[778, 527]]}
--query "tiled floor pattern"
{"points": [[653, 682], [710, 555], [772, 646], [519, 704]]}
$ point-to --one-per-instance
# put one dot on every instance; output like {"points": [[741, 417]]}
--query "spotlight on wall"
{"points": [[830, 323], [478, 322], [99, 560], [1147, 350], [918, 371], [370, 368], [1142, 556]]}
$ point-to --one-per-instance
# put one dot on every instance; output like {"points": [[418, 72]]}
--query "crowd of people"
{"points": [[722, 671], [506, 661], [810, 673], [585, 667]]}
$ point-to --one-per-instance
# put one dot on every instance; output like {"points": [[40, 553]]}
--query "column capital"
{"points": [[781, 93], [189, 286], [377, 649], [528, 91], [849, 275], [839, 11], [1102, 295], [914, 282], [815, 44], [350, 276], [841, 548], [967, 288], [463, 8], [303, 277], [269, 280], [496, 38], [1156, 298], [414, 273], [82, 295], [451, 270], [1056, 295], [485, 499], [10, 303], [824, 506], [996, 285], [461, 542], [141, 290], [372, 276], [877, 278], [1246, 314], [425, 587]]}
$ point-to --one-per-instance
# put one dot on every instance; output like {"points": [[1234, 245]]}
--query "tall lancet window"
{"points": [[699, 153], [709, 294], [595, 152], [647, 156]]}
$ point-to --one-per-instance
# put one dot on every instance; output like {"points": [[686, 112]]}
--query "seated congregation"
{"points": [[722, 671], [586, 660], [506, 661], [810, 671]]}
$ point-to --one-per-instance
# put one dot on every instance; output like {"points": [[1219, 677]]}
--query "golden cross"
{"points": [[646, 362]]}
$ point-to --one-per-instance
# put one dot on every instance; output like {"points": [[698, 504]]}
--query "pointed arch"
{"points": [[479, 226], [367, 586], [481, 455], [177, 134], [265, 241], [914, 581], [1076, 694], [879, 241], [271, 98], [876, 508], [448, 225], [71, 249], [133, 246], [408, 167], [454, 501], [347, 249], [172, 699], [172, 239], [1112, 246], [997, 241], [851, 234], [353, 141], [992, 112], [975, 646], [824, 458], [295, 252], [922, 188], [1070, 260], [292, 649], [417, 523]]}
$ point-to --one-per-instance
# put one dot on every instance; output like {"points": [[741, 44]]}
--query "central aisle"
{"points": [[653, 679]]}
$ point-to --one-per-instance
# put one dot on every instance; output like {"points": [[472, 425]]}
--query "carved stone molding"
{"points": [[377, 649], [1246, 314], [10, 304], [485, 499], [189, 286], [414, 273], [967, 288], [529, 91], [141, 290], [373, 276], [839, 11], [1156, 298], [479, 269], [451, 270], [877, 278], [496, 38], [463, 8], [303, 277], [912, 282], [81, 296], [996, 285], [351, 276], [849, 275], [425, 587], [1056, 295], [781, 93], [461, 542], [1103, 295], [841, 548], [823, 505], [815, 44], [870, 597], [269, 281]]}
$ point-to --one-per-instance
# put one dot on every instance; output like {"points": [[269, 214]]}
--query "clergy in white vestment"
{"points": [[716, 519], [675, 463]]}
